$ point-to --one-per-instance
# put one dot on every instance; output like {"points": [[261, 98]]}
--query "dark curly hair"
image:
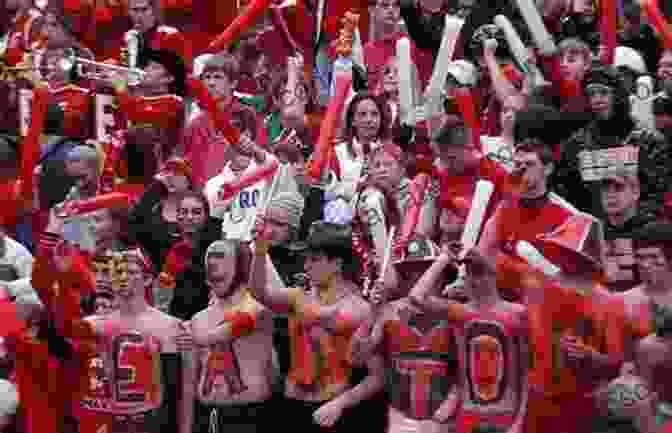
{"points": [[350, 116], [172, 62]]}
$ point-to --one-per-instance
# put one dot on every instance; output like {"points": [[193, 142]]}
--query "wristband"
{"points": [[166, 280], [310, 312], [243, 323], [261, 247]]}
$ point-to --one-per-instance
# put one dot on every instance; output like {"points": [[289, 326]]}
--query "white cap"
{"points": [[463, 71], [199, 63], [626, 56]]}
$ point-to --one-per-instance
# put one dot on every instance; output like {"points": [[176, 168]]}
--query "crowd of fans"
{"points": [[384, 215]]}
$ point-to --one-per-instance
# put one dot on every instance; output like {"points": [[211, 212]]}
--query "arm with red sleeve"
{"points": [[61, 291], [50, 282], [47, 365], [161, 110], [70, 329]]}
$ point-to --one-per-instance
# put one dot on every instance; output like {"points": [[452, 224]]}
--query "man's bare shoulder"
{"points": [[636, 294], [202, 315], [162, 319], [514, 308]]}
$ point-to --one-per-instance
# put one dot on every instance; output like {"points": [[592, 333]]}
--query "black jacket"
{"points": [[191, 292], [147, 227]]}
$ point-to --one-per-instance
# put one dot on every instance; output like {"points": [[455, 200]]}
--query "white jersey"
{"points": [[239, 213]]}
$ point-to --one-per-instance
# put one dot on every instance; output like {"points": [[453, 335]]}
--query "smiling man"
{"points": [[620, 194]]}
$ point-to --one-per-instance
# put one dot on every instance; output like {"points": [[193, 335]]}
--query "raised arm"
{"points": [[502, 86], [424, 292], [293, 109], [278, 299], [60, 276]]}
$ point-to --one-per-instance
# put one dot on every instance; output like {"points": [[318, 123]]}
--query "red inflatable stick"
{"points": [[113, 200], [253, 11], [467, 105], [30, 153], [207, 102], [608, 28], [417, 191], [262, 172], [332, 118], [163, 111], [12, 325], [658, 20]]}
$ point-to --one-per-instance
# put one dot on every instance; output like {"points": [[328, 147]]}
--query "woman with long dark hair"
{"points": [[156, 211], [366, 124]]}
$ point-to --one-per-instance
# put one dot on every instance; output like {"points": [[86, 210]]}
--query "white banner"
{"points": [[597, 164]]}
